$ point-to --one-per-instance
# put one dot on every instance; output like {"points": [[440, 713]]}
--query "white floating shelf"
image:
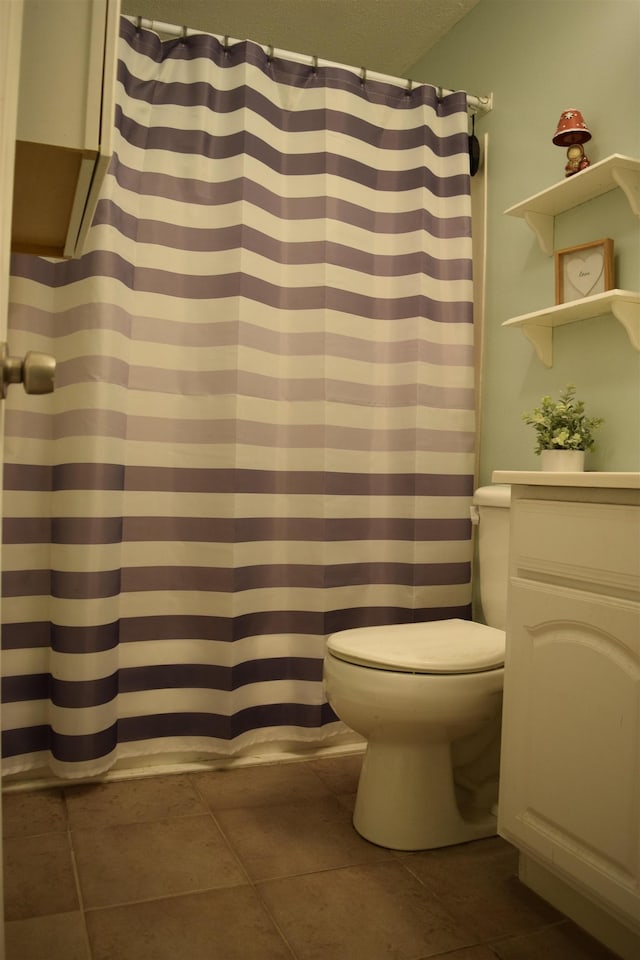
{"points": [[539, 211], [538, 326]]}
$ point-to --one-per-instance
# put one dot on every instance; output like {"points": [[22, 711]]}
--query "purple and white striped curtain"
{"points": [[263, 425]]}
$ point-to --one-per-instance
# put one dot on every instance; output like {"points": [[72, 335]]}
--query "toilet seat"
{"points": [[438, 647]]}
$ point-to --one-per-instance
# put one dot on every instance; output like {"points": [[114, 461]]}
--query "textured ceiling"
{"points": [[385, 36]]}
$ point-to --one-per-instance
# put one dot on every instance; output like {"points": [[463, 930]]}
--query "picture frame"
{"points": [[584, 270]]}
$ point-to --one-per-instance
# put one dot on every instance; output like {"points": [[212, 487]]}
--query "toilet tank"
{"points": [[490, 511]]}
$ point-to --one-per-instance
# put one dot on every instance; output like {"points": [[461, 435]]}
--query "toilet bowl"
{"points": [[422, 694], [406, 795]]}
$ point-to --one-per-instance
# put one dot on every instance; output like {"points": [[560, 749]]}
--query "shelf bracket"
{"points": [[542, 226], [629, 182], [628, 314], [542, 340]]}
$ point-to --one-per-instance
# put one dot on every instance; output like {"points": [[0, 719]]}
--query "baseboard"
{"points": [[584, 911], [167, 765]]}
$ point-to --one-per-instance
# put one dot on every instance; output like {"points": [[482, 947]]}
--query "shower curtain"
{"points": [[263, 424]]}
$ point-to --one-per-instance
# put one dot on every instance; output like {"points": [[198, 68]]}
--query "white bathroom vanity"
{"points": [[570, 764]]}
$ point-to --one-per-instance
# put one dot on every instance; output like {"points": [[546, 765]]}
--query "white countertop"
{"points": [[626, 481]]}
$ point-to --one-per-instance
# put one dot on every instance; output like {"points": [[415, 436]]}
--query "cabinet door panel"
{"points": [[571, 745]]}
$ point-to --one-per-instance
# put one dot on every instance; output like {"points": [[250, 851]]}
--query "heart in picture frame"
{"points": [[583, 273]]}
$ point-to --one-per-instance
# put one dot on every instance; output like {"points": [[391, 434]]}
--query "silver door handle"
{"points": [[36, 372]]}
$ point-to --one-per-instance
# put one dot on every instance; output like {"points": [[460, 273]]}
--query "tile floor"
{"points": [[255, 863]]}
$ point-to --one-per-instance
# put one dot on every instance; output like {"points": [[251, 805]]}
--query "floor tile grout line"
{"points": [[76, 876], [321, 870], [275, 923], [321, 779], [139, 822], [222, 833], [254, 884], [176, 895]]}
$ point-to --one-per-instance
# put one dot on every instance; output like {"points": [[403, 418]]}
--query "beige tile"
{"points": [[38, 876], [228, 924], [145, 860], [564, 941], [477, 883], [332, 895], [58, 937], [341, 774], [259, 786], [370, 912], [288, 839], [38, 811], [132, 801]]}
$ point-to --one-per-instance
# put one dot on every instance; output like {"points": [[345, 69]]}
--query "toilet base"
{"points": [[406, 799]]}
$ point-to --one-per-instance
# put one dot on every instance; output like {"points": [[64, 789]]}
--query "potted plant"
{"points": [[563, 432]]}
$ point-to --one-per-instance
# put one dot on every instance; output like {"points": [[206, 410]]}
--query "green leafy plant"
{"points": [[562, 424]]}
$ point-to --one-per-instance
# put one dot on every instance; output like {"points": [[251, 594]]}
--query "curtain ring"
{"points": [[183, 36], [138, 24], [314, 64], [225, 45], [408, 87], [269, 54], [363, 76]]}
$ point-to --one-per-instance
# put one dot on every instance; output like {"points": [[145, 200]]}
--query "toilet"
{"points": [[427, 698]]}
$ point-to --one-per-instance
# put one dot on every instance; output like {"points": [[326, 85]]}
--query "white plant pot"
{"points": [[562, 461]]}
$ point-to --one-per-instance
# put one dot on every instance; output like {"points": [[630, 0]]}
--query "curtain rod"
{"points": [[475, 104]]}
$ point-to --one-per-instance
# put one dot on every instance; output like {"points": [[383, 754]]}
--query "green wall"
{"points": [[538, 58]]}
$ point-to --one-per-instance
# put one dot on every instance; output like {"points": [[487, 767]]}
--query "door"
{"points": [[10, 37]]}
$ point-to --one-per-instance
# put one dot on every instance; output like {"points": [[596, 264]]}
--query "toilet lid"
{"points": [[441, 646]]}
